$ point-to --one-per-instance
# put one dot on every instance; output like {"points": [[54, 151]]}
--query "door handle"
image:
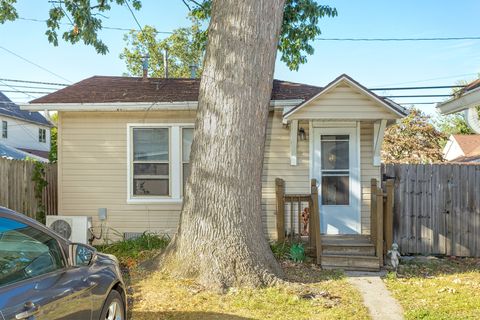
{"points": [[32, 310]]}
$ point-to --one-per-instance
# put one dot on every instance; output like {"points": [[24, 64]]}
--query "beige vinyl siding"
{"points": [[276, 164], [343, 102], [93, 171], [367, 172]]}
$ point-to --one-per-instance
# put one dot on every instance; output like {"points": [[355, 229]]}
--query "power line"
{"points": [[421, 96], [35, 64], [103, 27], [28, 87], [400, 39], [27, 92], [36, 82], [431, 79], [416, 88], [16, 90]]}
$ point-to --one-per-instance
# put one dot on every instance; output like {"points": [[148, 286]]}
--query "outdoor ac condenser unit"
{"points": [[74, 228]]}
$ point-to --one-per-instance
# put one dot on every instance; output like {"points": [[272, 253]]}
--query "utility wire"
{"points": [[399, 39], [16, 90], [28, 87], [36, 82], [35, 64], [417, 88], [27, 92], [421, 96], [431, 79]]}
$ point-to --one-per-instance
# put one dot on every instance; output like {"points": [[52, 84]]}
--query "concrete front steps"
{"points": [[349, 252]]}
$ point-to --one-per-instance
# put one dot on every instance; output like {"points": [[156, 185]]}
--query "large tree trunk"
{"points": [[220, 238]]}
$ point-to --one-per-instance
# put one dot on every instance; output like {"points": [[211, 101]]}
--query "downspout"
{"points": [[472, 119]]}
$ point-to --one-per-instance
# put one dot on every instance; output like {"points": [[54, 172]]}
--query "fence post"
{"points": [[280, 195], [379, 218], [388, 220], [316, 214], [373, 210]]}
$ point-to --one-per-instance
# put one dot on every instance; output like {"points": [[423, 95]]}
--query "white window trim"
{"points": [[175, 163]]}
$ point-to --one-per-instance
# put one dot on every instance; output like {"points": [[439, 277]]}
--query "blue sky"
{"points": [[371, 63]]}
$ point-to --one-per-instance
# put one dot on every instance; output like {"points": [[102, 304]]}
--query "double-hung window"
{"points": [[4, 129], [42, 135], [158, 161]]}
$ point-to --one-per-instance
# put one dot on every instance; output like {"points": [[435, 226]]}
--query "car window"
{"points": [[26, 252]]}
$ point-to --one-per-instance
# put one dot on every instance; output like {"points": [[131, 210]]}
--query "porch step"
{"points": [[351, 249], [346, 238], [350, 262]]}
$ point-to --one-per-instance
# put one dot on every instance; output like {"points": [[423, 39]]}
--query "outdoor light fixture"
{"points": [[301, 134]]}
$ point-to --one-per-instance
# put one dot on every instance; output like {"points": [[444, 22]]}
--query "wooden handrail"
{"points": [[388, 219], [315, 213], [379, 225], [280, 195], [373, 210]]}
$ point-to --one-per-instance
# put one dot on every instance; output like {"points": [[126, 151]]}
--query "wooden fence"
{"points": [[436, 208], [17, 190]]}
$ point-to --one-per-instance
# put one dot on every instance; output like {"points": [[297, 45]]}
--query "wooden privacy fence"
{"points": [[297, 216], [17, 190], [436, 208]]}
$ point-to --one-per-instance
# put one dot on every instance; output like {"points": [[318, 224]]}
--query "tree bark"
{"points": [[220, 239]]}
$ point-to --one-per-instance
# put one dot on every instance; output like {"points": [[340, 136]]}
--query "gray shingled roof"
{"points": [[10, 109], [15, 154]]}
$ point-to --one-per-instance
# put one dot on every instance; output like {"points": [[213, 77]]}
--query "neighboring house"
{"points": [[462, 148], [28, 132], [124, 144], [468, 101]]}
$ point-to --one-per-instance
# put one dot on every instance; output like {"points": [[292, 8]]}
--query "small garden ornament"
{"points": [[394, 256]]}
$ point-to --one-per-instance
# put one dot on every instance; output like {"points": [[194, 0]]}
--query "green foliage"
{"points": [[413, 139], [82, 15], [299, 28], [300, 25], [8, 11], [133, 248], [52, 155], [280, 250], [453, 124], [297, 252], [38, 177], [184, 49]]}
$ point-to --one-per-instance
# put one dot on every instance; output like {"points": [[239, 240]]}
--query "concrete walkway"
{"points": [[376, 296]]}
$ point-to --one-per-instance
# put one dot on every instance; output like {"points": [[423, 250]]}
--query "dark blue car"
{"points": [[43, 276]]}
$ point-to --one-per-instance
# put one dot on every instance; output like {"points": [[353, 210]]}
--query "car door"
{"points": [[35, 280]]}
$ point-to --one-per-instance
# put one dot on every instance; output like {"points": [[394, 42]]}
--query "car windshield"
{"points": [[25, 252]]}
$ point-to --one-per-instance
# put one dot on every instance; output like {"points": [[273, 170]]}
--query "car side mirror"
{"points": [[81, 255]]}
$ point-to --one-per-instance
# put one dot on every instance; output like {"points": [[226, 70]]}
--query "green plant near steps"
{"points": [[297, 252], [38, 177]]}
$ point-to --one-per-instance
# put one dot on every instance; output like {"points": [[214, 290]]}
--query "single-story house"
{"points": [[124, 142], [462, 148]]}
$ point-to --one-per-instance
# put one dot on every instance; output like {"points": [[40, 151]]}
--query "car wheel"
{"points": [[113, 308]]}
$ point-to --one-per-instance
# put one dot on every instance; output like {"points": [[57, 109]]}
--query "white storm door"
{"points": [[336, 168]]}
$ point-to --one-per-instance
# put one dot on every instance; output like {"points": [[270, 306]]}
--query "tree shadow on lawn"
{"points": [[308, 272], [427, 267], [183, 315]]}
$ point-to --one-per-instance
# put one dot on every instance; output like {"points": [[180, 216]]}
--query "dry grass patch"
{"points": [[438, 288], [312, 294]]}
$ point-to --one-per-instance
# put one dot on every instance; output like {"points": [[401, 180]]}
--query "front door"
{"points": [[336, 168]]}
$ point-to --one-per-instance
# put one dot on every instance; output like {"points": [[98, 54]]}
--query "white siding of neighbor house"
{"points": [[343, 102], [24, 134], [92, 150]]}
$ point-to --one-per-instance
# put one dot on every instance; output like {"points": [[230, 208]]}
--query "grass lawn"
{"points": [[310, 293], [438, 288]]}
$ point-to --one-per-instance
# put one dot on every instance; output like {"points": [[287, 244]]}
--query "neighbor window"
{"points": [[42, 135], [158, 161], [4, 129]]}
